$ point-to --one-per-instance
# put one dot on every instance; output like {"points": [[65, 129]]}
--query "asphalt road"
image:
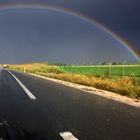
{"points": [[58, 108]]}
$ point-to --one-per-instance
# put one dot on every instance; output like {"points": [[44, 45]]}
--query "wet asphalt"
{"points": [[59, 108]]}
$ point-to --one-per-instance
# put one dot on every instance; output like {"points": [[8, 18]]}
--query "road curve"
{"points": [[58, 108]]}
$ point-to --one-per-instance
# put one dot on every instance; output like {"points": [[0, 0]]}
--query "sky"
{"points": [[37, 35]]}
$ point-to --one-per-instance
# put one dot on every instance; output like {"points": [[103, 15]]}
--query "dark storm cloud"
{"points": [[42, 35], [121, 16]]}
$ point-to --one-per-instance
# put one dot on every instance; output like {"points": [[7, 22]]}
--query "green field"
{"points": [[114, 70]]}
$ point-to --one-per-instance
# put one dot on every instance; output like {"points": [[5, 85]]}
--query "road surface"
{"points": [[45, 107]]}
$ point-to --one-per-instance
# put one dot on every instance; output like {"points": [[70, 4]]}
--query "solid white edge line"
{"points": [[67, 136], [23, 87]]}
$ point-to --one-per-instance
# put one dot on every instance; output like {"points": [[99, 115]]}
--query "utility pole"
{"points": [[98, 73], [123, 68], [110, 68]]}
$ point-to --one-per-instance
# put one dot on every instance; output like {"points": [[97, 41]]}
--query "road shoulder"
{"points": [[92, 90]]}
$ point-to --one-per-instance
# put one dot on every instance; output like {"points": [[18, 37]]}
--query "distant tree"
{"points": [[57, 64], [104, 63], [114, 63]]}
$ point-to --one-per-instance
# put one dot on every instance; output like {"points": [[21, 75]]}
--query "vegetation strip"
{"points": [[127, 85]]}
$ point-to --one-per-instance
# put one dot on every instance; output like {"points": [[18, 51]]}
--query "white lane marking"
{"points": [[23, 87], [67, 136]]}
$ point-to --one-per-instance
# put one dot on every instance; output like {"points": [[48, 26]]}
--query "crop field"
{"points": [[114, 70]]}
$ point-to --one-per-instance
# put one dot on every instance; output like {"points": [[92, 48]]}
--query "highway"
{"points": [[49, 109]]}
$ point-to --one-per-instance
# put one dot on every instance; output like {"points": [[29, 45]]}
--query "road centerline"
{"points": [[26, 90]]}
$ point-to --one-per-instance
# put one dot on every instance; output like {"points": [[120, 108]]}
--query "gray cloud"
{"points": [[122, 17]]}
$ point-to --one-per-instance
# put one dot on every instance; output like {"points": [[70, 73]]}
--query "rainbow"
{"points": [[78, 15]]}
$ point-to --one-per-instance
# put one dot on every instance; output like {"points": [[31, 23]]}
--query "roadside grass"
{"points": [[125, 86], [128, 86], [37, 67]]}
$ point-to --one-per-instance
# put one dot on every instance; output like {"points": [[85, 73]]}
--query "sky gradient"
{"points": [[29, 35]]}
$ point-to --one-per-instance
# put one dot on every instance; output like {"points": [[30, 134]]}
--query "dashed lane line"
{"points": [[67, 136], [26, 90]]}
